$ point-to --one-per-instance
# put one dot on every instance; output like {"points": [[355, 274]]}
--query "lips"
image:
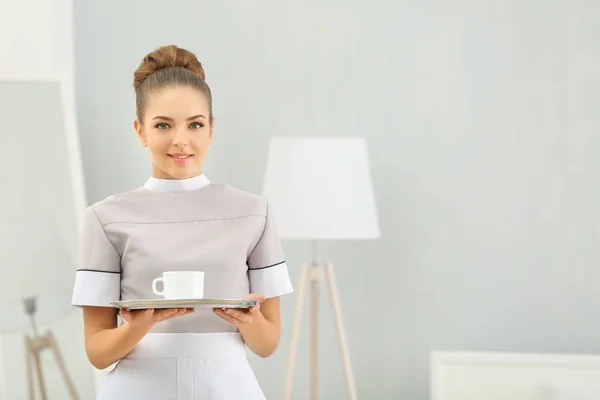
{"points": [[180, 158]]}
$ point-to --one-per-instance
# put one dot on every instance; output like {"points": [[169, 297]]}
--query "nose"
{"points": [[181, 138]]}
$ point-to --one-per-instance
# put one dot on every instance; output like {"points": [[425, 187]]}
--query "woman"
{"points": [[178, 221]]}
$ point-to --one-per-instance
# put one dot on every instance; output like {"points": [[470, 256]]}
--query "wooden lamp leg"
{"points": [[341, 331], [37, 362], [314, 333], [61, 366], [295, 332], [29, 368], [33, 349], [314, 274]]}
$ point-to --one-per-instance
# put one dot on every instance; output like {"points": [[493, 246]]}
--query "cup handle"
{"points": [[155, 290]]}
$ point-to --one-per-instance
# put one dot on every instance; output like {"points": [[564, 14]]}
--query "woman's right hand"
{"points": [[150, 317]]}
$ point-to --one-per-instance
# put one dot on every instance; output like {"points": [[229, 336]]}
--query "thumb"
{"points": [[126, 314], [256, 296]]}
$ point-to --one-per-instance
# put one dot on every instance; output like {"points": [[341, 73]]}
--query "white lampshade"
{"points": [[320, 188]]}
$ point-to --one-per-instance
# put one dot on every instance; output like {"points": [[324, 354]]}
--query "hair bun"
{"points": [[165, 57]]}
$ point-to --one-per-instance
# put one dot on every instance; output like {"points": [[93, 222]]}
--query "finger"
{"points": [[232, 320], [165, 313], [149, 313], [179, 312], [255, 308], [255, 296], [170, 313], [228, 317], [126, 315], [131, 314], [239, 315]]}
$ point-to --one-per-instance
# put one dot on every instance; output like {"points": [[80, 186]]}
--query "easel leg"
{"points": [[38, 366], [314, 334], [29, 370], [61, 366], [337, 309], [295, 332]]}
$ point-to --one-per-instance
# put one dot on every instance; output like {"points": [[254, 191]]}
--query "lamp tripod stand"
{"points": [[33, 349], [314, 274]]}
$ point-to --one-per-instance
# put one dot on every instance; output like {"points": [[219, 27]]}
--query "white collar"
{"points": [[176, 185]]}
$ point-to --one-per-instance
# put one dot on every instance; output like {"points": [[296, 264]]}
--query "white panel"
{"points": [[38, 184], [513, 376]]}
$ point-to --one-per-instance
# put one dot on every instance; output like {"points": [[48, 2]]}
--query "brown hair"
{"points": [[168, 66]]}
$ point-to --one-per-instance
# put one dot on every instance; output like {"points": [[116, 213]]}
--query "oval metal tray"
{"points": [[184, 303]]}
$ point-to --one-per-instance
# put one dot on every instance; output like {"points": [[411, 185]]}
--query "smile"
{"points": [[181, 158]]}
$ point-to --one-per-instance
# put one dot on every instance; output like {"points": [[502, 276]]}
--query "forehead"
{"points": [[176, 102]]}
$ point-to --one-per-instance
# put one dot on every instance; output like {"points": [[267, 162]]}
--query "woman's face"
{"points": [[177, 131]]}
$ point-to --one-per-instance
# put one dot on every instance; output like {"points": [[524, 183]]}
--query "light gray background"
{"points": [[477, 115]]}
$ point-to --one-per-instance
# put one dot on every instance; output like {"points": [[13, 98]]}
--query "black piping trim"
{"points": [[97, 270], [268, 266]]}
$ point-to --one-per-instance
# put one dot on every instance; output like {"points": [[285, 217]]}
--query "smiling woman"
{"points": [[174, 112], [131, 238]]}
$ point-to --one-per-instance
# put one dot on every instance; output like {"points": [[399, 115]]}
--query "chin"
{"points": [[183, 173], [174, 171]]}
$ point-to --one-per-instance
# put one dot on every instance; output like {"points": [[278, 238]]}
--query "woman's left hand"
{"points": [[239, 316]]}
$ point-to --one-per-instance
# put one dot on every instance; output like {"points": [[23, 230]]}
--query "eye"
{"points": [[162, 125], [196, 125]]}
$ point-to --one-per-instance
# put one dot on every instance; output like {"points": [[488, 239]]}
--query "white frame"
{"points": [[440, 360]]}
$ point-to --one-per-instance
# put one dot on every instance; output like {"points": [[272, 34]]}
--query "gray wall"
{"points": [[477, 114]]}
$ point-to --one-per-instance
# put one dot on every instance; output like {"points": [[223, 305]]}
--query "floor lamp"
{"points": [[320, 189], [35, 265]]}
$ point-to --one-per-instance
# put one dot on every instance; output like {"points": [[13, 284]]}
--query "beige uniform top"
{"points": [[131, 238]]}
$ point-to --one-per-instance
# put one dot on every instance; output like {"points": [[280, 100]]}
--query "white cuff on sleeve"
{"points": [[270, 281], [96, 288]]}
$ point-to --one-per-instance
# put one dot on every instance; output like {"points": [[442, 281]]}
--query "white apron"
{"points": [[183, 366]]}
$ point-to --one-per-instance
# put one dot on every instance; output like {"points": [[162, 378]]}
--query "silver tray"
{"points": [[184, 303]]}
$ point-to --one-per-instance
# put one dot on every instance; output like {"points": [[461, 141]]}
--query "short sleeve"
{"points": [[98, 275], [267, 271]]}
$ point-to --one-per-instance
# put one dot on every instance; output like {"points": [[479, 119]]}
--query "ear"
{"points": [[139, 129]]}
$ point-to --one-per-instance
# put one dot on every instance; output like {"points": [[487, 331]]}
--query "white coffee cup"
{"points": [[180, 285]]}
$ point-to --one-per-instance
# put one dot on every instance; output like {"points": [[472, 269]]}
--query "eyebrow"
{"points": [[171, 119]]}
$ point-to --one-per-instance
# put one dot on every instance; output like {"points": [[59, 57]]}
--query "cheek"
{"points": [[158, 144], [201, 142]]}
